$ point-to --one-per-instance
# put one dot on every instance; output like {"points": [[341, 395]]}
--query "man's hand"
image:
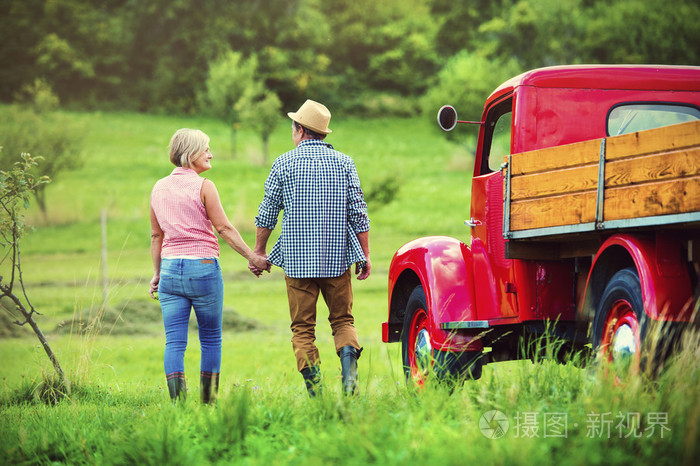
{"points": [[259, 265], [363, 272]]}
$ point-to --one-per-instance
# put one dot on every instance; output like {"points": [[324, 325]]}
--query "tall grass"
{"points": [[389, 422]]}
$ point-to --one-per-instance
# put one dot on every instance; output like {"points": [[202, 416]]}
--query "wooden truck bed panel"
{"points": [[652, 175]]}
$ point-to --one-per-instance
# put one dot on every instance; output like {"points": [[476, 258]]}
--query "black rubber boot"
{"points": [[209, 386], [312, 379], [348, 363], [177, 386]]}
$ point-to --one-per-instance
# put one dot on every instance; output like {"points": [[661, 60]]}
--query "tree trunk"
{"points": [[30, 320], [266, 148], [40, 195]]}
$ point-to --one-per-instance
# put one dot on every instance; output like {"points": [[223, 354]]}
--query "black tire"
{"points": [[420, 359], [620, 317]]}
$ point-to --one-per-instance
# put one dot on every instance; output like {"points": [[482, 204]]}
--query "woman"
{"points": [[185, 208]]}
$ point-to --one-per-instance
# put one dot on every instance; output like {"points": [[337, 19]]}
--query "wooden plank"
{"points": [[672, 137], [552, 158], [649, 173], [571, 180], [553, 211], [650, 199], [648, 167], [653, 167]]}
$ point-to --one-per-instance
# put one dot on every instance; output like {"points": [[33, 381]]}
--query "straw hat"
{"points": [[313, 116]]}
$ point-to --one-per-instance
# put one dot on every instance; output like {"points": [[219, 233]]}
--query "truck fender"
{"points": [[666, 286], [443, 267]]}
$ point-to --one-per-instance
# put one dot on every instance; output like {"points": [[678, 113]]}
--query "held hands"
{"points": [[364, 271], [259, 264]]}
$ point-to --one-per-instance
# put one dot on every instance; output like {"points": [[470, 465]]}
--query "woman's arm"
{"points": [[215, 212], [156, 246]]}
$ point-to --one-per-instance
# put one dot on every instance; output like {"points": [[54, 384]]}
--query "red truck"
{"points": [[585, 223]]}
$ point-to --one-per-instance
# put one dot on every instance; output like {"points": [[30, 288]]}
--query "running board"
{"points": [[464, 324]]}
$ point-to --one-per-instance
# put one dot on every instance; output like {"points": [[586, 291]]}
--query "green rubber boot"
{"points": [[209, 386], [177, 386], [312, 379]]}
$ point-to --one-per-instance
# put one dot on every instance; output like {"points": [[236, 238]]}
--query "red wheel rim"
{"points": [[419, 340], [621, 318]]}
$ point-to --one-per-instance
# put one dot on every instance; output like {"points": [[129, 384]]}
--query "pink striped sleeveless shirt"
{"points": [[177, 203]]}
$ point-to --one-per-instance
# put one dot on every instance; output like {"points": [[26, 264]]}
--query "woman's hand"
{"points": [[258, 264], [154, 287]]}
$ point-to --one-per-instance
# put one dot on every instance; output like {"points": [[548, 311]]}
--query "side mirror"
{"points": [[447, 117]]}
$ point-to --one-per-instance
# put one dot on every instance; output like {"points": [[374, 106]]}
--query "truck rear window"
{"points": [[629, 118]]}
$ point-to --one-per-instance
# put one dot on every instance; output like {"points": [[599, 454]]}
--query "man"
{"points": [[325, 229]]}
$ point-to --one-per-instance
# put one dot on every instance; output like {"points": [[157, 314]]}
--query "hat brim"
{"points": [[295, 117]]}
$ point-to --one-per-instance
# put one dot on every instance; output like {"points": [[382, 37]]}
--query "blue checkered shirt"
{"points": [[324, 209]]}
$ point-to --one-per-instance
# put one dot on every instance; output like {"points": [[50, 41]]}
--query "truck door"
{"points": [[493, 274]]}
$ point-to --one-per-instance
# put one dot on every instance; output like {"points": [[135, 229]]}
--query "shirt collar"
{"points": [[183, 171], [314, 142]]}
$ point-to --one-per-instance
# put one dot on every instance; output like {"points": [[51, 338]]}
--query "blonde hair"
{"points": [[186, 146]]}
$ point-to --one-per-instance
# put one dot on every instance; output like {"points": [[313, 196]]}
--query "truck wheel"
{"points": [[420, 358], [416, 347], [619, 322]]}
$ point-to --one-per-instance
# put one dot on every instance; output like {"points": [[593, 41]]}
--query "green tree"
{"points": [[293, 61], [33, 129], [20, 32], [82, 53], [535, 33], [643, 31], [173, 43], [16, 186], [458, 23], [259, 109], [465, 82], [228, 79], [364, 56], [379, 46], [38, 95]]}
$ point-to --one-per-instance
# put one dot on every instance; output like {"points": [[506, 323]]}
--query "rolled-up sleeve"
{"points": [[272, 202], [357, 207]]}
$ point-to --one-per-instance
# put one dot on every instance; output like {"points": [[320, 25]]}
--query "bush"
{"points": [[38, 95], [384, 104], [465, 82]]}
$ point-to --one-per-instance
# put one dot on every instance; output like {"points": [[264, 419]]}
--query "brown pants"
{"points": [[303, 295]]}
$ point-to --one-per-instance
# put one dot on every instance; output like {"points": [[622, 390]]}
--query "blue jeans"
{"points": [[186, 284]]}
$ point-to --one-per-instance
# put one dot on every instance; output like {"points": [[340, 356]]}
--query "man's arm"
{"points": [[358, 219], [265, 221], [363, 274], [261, 237]]}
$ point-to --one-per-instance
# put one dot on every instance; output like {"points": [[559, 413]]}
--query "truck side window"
{"points": [[500, 143], [497, 136], [629, 118]]}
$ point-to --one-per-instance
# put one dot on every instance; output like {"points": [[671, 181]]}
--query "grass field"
{"points": [[119, 412]]}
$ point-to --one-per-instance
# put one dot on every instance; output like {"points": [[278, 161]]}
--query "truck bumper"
{"points": [[391, 332]]}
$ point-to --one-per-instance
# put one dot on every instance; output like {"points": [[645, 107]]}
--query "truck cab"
{"points": [[448, 301]]}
